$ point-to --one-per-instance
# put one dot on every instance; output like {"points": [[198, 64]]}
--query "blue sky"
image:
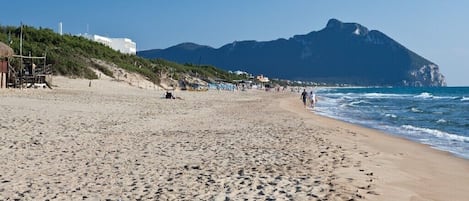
{"points": [[435, 29]]}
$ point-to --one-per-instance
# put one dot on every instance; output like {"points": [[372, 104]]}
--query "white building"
{"points": [[123, 45]]}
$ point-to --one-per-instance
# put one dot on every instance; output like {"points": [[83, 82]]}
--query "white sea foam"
{"points": [[391, 115], [416, 110], [382, 95], [345, 97], [436, 133], [445, 97], [358, 102], [465, 98], [424, 95], [344, 105], [441, 121]]}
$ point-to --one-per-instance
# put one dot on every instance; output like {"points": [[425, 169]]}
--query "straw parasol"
{"points": [[5, 51]]}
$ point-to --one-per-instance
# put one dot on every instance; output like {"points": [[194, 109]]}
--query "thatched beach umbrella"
{"points": [[5, 51]]}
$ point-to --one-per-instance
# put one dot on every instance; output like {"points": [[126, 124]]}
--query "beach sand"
{"points": [[120, 142]]}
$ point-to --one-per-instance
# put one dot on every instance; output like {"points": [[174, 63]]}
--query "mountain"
{"points": [[339, 53]]}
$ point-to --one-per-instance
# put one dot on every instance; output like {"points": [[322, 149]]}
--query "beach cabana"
{"points": [[5, 53]]}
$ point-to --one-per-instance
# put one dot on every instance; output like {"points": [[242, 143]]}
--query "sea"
{"points": [[438, 117]]}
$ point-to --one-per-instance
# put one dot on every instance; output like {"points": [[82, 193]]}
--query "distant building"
{"points": [[261, 78], [238, 72], [123, 45]]}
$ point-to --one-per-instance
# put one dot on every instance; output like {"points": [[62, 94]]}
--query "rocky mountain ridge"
{"points": [[339, 53]]}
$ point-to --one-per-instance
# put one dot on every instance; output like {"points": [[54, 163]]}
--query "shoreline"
{"points": [[117, 141], [390, 134], [431, 116], [404, 169]]}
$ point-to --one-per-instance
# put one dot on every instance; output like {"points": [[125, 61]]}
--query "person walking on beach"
{"points": [[313, 99], [303, 96]]}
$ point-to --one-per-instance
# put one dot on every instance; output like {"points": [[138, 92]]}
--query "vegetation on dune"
{"points": [[202, 71], [72, 56]]}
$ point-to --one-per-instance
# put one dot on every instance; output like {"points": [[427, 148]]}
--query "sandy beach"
{"points": [[114, 141]]}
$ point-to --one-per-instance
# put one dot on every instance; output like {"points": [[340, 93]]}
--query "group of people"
{"points": [[309, 98]]}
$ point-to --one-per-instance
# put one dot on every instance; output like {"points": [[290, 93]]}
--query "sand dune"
{"points": [[119, 142]]}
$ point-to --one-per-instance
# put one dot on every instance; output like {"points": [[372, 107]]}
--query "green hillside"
{"points": [[71, 56]]}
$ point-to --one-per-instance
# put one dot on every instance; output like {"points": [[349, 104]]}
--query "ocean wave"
{"points": [[415, 110], [339, 94], [424, 95], [345, 105], [436, 133], [360, 102], [391, 115], [465, 98], [441, 121], [446, 97], [382, 95], [345, 97]]}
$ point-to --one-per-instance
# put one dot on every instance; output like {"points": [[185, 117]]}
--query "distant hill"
{"points": [[339, 53]]}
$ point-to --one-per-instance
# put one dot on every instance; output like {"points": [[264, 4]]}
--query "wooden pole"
{"points": [[21, 54]]}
